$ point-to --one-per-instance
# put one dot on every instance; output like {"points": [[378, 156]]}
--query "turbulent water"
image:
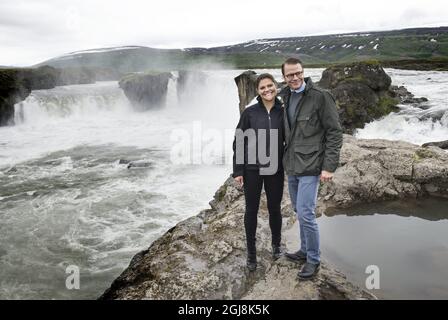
{"points": [[67, 199], [416, 124]]}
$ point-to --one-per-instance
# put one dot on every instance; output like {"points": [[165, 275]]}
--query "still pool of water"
{"points": [[407, 240]]}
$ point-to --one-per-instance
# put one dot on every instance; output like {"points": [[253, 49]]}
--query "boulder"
{"points": [[247, 88], [362, 93], [146, 91], [376, 170], [440, 144], [407, 97]]}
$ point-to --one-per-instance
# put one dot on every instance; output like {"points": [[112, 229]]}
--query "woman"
{"points": [[266, 114]]}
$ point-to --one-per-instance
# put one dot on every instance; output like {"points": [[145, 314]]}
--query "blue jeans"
{"points": [[303, 193]]}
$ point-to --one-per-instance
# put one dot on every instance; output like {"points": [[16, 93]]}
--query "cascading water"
{"points": [[416, 124]]}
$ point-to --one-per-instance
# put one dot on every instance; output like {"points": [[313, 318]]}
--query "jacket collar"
{"points": [[277, 104], [286, 91]]}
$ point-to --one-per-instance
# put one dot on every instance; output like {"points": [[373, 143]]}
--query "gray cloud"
{"points": [[31, 31]]}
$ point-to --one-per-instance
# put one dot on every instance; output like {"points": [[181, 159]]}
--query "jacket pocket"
{"points": [[308, 124], [306, 149], [307, 157]]}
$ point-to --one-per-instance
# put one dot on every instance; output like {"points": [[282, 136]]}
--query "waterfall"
{"points": [[71, 101], [171, 92]]}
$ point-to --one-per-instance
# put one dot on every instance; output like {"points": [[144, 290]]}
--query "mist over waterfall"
{"points": [[67, 199]]}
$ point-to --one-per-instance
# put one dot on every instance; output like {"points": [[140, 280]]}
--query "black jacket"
{"points": [[256, 117]]}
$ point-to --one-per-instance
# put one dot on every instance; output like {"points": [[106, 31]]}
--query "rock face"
{"points": [[203, 257], [375, 170], [405, 96], [440, 144], [362, 93], [16, 84], [247, 88], [146, 91]]}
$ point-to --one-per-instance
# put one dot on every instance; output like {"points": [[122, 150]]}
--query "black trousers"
{"points": [[273, 185]]}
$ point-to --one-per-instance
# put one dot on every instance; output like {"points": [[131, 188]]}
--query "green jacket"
{"points": [[314, 140]]}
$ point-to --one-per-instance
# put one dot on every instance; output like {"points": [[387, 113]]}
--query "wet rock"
{"points": [[362, 93], [139, 164], [247, 88], [407, 97], [17, 83], [440, 144], [146, 91], [376, 170]]}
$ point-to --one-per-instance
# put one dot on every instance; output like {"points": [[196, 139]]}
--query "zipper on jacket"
{"points": [[268, 138]]}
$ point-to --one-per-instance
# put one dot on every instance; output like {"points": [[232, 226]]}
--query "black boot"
{"points": [[276, 252], [251, 262]]}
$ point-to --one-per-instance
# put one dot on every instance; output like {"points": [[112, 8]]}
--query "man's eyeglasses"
{"points": [[292, 75]]}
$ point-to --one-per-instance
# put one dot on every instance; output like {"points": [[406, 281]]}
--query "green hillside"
{"points": [[422, 44]]}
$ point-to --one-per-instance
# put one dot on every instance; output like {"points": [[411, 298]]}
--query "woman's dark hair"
{"points": [[265, 76]]}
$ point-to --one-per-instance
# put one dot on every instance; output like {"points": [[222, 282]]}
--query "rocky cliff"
{"points": [[17, 83], [146, 90]]}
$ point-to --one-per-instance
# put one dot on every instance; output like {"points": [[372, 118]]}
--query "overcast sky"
{"points": [[35, 30]]}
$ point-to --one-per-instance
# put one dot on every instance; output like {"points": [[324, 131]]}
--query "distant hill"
{"points": [[406, 44]]}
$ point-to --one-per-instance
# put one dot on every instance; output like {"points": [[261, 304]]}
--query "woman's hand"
{"points": [[240, 180]]}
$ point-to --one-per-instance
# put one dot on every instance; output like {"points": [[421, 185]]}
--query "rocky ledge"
{"points": [[203, 257], [16, 85]]}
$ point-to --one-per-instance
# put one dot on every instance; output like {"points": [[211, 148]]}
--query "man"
{"points": [[313, 139]]}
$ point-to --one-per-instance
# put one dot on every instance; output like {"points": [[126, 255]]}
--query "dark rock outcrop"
{"points": [[440, 144], [17, 83], [362, 93], [247, 89], [405, 96], [146, 91]]}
